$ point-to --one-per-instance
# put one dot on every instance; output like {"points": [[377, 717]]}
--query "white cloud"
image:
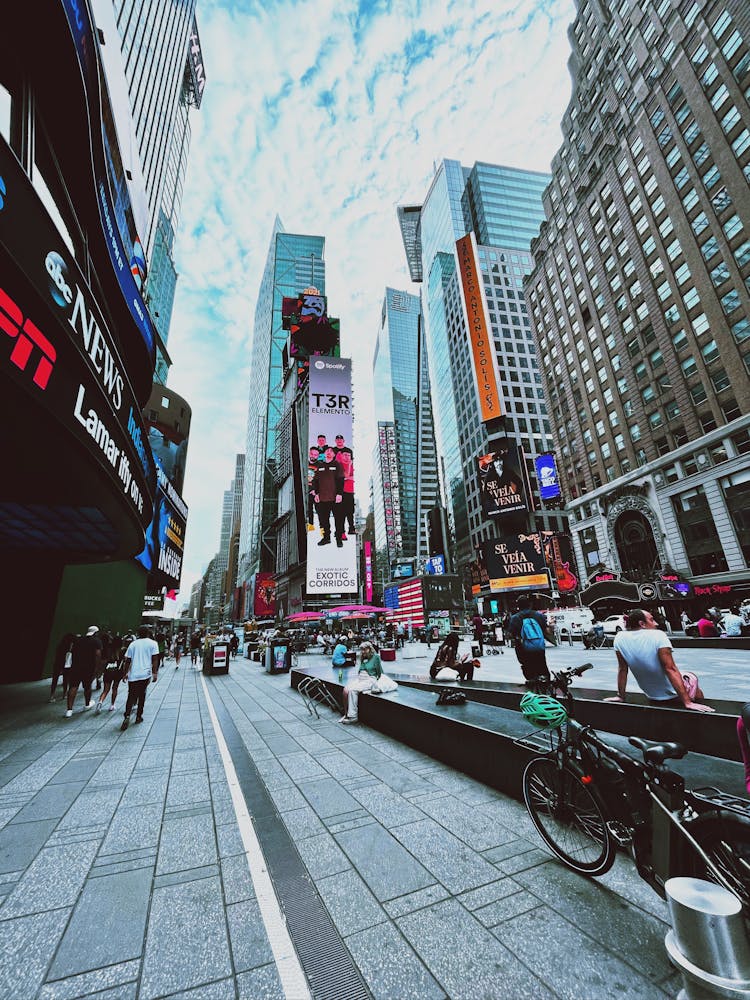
{"points": [[493, 88]]}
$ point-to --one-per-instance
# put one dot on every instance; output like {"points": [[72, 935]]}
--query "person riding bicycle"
{"points": [[647, 651]]}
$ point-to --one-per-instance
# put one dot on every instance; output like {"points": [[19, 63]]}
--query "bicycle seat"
{"points": [[657, 753]]}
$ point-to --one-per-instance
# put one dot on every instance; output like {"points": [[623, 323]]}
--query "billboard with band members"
{"points": [[331, 544], [501, 482]]}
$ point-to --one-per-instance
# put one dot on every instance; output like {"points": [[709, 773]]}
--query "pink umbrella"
{"points": [[368, 609], [305, 616]]}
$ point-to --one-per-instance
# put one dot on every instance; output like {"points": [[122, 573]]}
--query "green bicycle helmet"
{"points": [[542, 711]]}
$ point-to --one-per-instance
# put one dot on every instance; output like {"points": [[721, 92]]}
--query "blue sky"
{"points": [[331, 114]]}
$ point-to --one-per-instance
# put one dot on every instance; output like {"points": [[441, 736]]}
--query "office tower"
{"points": [[294, 262], [163, 67], [502, 207], [403, 413], [640, 296]]}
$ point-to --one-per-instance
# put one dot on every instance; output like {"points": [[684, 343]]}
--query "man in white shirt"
{"points": [[732, 623], [647, 651], [141, 665]]}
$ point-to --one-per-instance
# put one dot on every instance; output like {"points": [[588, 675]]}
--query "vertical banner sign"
{"points": [[331, 544], [264, 595], [546, 475], [368, 572], [480, 334]]}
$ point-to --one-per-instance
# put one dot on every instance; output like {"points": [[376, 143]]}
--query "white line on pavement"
{"points": [[292, 977]]}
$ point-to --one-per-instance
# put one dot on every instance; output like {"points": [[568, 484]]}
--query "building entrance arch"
{"points": [[636, 546]]}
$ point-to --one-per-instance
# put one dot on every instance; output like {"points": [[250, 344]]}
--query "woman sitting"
{"points": [[447, 656], [339, 654], [369, 673]]}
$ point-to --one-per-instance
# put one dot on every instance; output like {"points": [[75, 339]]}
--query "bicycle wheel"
{"points": [[726, 840], [569, 817]]}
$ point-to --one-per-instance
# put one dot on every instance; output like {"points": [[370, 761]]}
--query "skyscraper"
{"points": [[502, 207], [294, 262], [403, 412], [640, 295]]}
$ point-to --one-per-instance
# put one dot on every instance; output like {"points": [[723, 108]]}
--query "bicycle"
{"points": [[587, 800]]}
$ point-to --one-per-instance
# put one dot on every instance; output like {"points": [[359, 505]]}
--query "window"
{"points": [[730, 301], [720, 380], [736, 490], [701, 540], [732, 226]]}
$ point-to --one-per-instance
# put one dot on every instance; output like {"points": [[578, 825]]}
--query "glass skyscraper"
{"points": [[403, 410], [503, 207], [294, 262]]}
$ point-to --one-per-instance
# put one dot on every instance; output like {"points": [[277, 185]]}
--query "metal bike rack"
{"points": [[708, 943], [315, 692]]}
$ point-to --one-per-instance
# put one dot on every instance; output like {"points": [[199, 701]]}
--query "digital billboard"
{"points": [[516, 562], [312, 331], [331, 544], [547, 477], [501, 482], [486, 376], [165, 537], [264, 595]]}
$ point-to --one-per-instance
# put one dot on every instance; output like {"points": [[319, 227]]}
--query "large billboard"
{"points": [[264, 596], [312, 331], [547, 477], [391, 487], [331, 544], [165, 537], [501, 482], [515, 562], [486, 373]]}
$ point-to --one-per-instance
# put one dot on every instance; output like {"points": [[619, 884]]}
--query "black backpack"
{"points": [[451, 698]]}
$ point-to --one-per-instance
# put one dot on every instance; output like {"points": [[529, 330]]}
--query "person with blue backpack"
{"points": [[530, 631]]}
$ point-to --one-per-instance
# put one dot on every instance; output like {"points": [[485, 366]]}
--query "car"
{"points": [[613, 624]]}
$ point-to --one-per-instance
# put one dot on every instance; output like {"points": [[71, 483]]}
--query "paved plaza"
{"points": [[125, 872]]}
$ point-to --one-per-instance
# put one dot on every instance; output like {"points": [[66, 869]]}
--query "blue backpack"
{"points": [[532, 636]]}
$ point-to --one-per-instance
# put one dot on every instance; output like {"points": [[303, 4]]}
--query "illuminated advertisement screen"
{"points": [[546, 476], [501, 482], [312, 331], [170, 451], [515, 562], [165, 537], [264, 596], [331, 544]]}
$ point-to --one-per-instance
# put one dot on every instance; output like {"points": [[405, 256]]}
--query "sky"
{"points": [[331, 114]]}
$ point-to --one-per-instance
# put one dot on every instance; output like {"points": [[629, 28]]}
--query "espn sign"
{"points": [[27, 337]]}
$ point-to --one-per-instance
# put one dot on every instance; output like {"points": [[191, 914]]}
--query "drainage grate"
{"points": [[330, 969]]}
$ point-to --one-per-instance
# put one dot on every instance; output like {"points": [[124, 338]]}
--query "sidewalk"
{"points": [[124, 874]]}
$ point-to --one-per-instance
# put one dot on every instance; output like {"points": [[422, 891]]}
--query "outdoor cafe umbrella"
{"points": [[367, 609], [305, 616]]}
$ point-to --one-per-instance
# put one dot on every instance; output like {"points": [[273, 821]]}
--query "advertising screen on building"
{"points": [[312, 331], [486, 373], [331, 544], [368, 572], [515, 562], [501, 482], [558, 550], [165, 537], [546, 476], [264, 597]]}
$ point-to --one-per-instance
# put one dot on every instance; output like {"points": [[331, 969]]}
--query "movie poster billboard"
{"points": [[547, 477], [331, 543], [264, 596], [515, 562], [501, 482]]}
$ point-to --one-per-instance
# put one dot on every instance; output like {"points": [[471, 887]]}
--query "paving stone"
{"points": [[328, 798], [188, 788], [570, 962], [54, 879], [388, 771], [186, 942], [238, 884], [522, 862], [188, 760], [391, 968], [230, 841], [605, 917], [144, 790], [287, 798], [504, 909], [474, 965], [222, 990], [93, 807], [350, 903], [260, 984], [50, 802], [448, 858], [189, 875], [186, 842], [247, 933], [111, 977], [509, 850], [76, 770], [86, 944], [388, 869], [7, 813], [322, 855], [415, 900], [489, 893], [26, 946], [467, 823], [302, 823], [386, 805], [300, 766], [133, 827], [20, 843]]}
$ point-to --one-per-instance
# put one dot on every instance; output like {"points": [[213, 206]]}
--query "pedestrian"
{"points": [[61, 664], [447, 656], [195, 645], [400, 635], [707, 627], [647, 651], [478, 626], [161, 641], [141, 664], [369, 673], [85, 662], [732, 622], [234, 645], [529, 630], [179, 645], [113, 664], [684, 620]]}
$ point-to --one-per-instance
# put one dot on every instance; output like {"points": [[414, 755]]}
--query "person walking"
{"points": [[179, 645], [86, 660], [478, 626], [113, 664], [530, 630], [647, 651], [369, 673], [195, 647], [61, 665], [141, 665]]}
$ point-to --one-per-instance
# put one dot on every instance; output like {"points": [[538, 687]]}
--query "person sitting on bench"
{"points": [[368, 676], [447, 656]]}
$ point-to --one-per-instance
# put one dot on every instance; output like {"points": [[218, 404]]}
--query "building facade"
{"points": [[406, 438], [640, 296], [294, 262], [502, 207]]}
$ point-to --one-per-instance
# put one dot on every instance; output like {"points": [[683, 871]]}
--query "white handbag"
{"points": [[385, 685]]}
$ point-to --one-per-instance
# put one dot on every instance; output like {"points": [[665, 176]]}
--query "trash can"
{"points": [[278, 656], [387, 655], [216, 658]]}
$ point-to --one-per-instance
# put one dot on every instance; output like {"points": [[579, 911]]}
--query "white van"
{"points": [[568, 622]]}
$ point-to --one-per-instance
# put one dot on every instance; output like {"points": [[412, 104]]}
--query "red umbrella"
{"points": [[305, 616], [356, 617], [367, 609]]}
